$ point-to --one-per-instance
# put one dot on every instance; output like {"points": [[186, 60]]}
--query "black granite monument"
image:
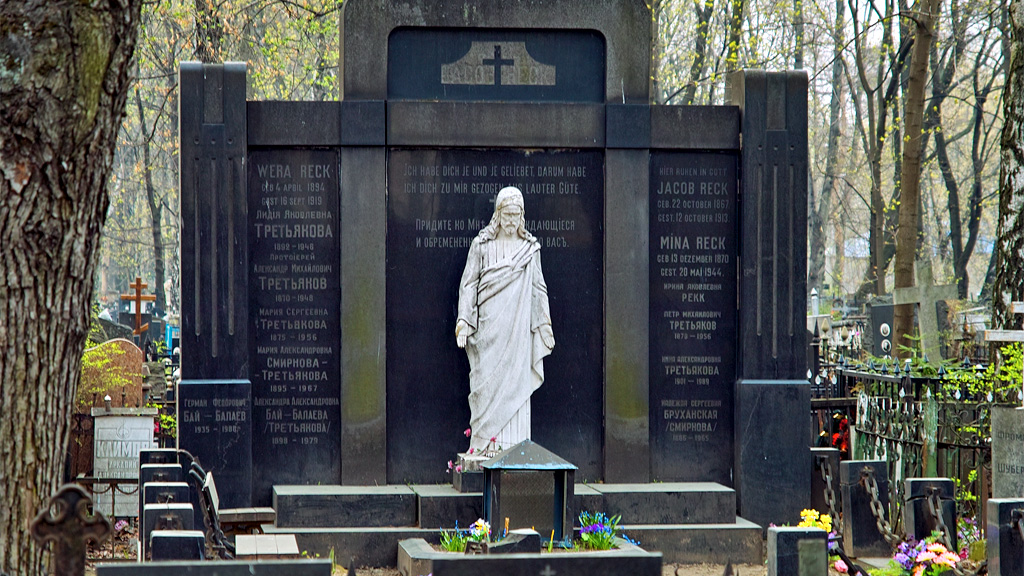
{"points": [[322, 245]]}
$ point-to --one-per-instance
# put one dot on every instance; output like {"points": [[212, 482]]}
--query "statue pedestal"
{"points": [[468, 476]]}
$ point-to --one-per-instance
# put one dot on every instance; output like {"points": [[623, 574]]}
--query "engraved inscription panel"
{"points": [[693, 251], [294, 280]]}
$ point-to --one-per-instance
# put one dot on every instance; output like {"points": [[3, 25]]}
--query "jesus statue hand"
{"points": [[461, 333], [547, 336]]}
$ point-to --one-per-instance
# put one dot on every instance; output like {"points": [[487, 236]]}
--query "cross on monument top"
{"points": [[138, 298], [925, 294], [547, 571], [498, 62]]}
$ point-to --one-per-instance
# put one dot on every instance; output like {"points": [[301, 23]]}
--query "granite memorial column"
{"points": [[772, 394]]}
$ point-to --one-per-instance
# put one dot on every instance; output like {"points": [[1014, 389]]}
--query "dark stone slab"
{"points": [[468, 481], [494, 124], [1004, 545], [694, 243], [363, 224], [293, 123], [586, 499], [367, 546], [918, 521], [214, 274], [442, 506], [294, 299], [568, 564], [669, 503], [772, 450], [628, 126], [158, 456], [881, 313], [627, 436], [523, 541], [363, 123], [548, 65], [302, 567], [861, 537], [158, 473], [424, 268], [773, 287], [344, 506], [625, 26], [784, 548], [737, 542], [819, 501], [695, 127], [164, 517], [165, 493], [215, 424], [178, 545]]}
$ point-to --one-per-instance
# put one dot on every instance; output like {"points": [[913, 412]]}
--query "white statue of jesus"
{"points": [[504, 324]]}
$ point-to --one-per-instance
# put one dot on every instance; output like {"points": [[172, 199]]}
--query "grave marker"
{"points": [[119, 435], [1008, 430], [926, 295], [137, 299]]}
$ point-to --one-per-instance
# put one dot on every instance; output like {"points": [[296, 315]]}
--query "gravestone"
{"points": [[1008, 430], [927, 296], [119, 435], [323, 243], [215, 424]]}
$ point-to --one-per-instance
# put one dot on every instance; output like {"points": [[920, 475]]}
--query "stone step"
{"points": [[344, 506], [441, 506], [739, 542]]}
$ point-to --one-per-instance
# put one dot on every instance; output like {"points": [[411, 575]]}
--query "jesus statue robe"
{"points": [[504, 301]]}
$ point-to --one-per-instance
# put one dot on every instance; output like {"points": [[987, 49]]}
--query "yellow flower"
{"points": [[936, 547], [919, 570], [826, 522], [926, 556], [809, 514]]}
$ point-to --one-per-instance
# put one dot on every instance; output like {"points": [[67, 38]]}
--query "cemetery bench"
{"points": [[220, 523]]}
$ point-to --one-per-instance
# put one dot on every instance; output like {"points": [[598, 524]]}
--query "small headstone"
{"points": [[523, 540], [177, 545], [1007, 455], [165, 493], [785, 553], [164, 517], [119, 436], [918, 519], [861, 537], [1005, 541]]}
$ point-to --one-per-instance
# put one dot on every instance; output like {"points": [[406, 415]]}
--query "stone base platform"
{"points": [[688, 522]]}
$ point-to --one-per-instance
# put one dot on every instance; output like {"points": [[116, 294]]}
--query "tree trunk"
{"points": [[209, 31], [155, 209], [703, 10], [819, 215], [1009, 278], [734, 36], [61, 104], [910, 177]]}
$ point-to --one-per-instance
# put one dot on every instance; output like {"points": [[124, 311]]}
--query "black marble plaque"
{"points": [[507, 65], [438, 200], [693, 251], [294, 299], [215, 426]]}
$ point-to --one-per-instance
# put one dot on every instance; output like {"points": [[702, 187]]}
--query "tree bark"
{"points": [[819, 215], [1009, 277], [64, 76], [703, 10], [155, 208], [910, 177]]}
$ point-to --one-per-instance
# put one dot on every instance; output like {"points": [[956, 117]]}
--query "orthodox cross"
{"points": [[138, 297], [498, 62], [925, 295], [1008, 335], [68, 522]]}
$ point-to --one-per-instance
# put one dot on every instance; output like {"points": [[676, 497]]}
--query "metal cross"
{"points": [[925, 295], [497, 62], [68, 522]]}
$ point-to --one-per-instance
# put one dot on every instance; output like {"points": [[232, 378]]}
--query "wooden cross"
{"points": [[1008, 335], [68, 523], [926, 294], [138, 297]]}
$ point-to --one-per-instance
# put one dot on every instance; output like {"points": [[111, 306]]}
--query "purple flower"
{"points": [[906, 561]]}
